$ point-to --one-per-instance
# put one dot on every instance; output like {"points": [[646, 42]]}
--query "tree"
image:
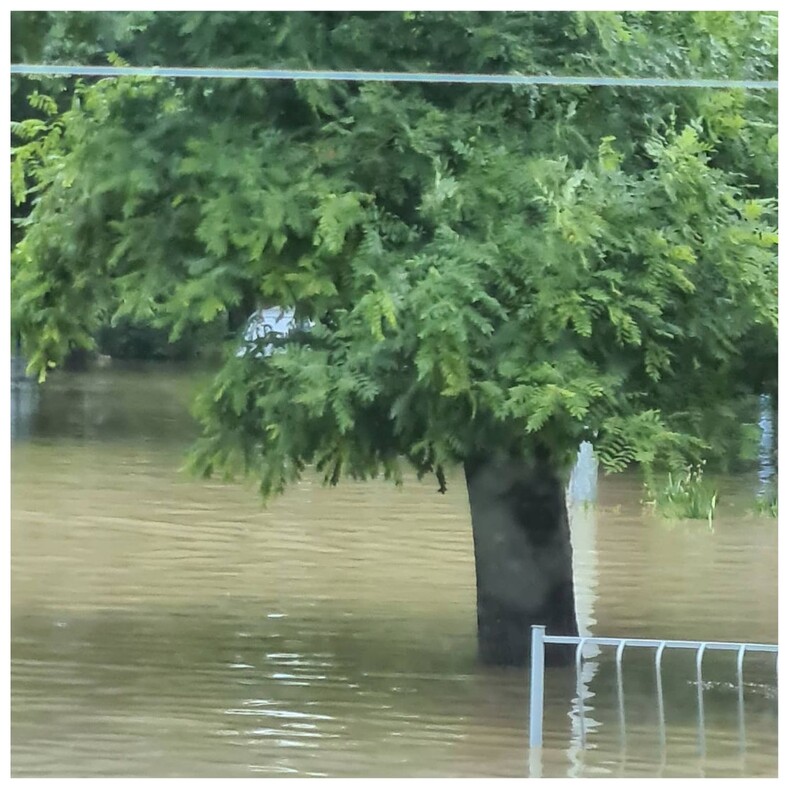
{"points": [[86, 38], [491, 275]]}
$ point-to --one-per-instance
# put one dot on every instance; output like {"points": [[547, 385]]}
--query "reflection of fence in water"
{"points": [[586, 669]]}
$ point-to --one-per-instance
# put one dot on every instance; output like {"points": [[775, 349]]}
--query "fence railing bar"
{"points": [[655, 642], [700, 697], [661, 707]]}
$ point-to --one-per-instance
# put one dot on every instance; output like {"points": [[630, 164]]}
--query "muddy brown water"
{"points": [[163, 626]]}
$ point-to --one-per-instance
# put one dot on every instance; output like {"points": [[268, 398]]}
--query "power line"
{"points": [[388, 76]]}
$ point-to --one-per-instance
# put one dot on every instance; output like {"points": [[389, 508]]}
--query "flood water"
{"points": [[163, 626]]}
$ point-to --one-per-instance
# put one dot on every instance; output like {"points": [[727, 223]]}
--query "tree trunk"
{"points": [[523, 558]]}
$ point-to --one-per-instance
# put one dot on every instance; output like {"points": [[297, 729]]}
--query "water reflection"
{"points": [[583, 528]]}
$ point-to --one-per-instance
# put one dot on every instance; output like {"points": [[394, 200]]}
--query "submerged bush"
{"points": [[685, 495], [767, 502]]}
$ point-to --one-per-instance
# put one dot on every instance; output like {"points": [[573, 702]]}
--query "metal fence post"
{"points": [[536, 690]]}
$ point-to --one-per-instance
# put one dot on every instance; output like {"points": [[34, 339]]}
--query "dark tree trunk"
{"points": [[238, 315], [523, 558]]}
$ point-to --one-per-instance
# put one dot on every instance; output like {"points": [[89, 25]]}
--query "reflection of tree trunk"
{"points": [[24, 400], [77, 360], [523, 558]]}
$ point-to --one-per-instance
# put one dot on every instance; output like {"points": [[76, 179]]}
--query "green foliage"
{"points": [[485, 268]]}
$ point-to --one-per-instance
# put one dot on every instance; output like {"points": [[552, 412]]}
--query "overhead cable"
{"points": [[387, 76]]}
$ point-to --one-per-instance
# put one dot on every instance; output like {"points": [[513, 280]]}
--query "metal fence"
{"points": [[540, 639]]}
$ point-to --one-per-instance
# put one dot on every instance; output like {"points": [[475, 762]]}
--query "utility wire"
{"points": [[388, 76]]}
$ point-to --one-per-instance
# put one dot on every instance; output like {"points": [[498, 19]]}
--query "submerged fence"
{"points": [[536, 703]]}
